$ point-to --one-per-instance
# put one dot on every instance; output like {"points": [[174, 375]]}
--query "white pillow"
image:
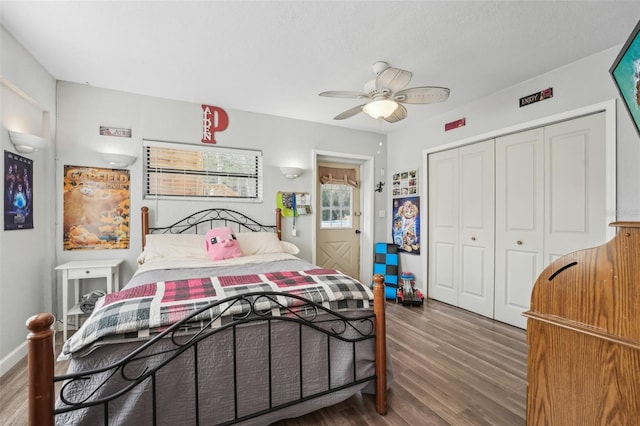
{"points": [[290, 248], [259, 243], [173, 246]]}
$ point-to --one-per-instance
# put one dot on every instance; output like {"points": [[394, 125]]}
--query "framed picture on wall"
{"points": [[626, 75], [96, 204], [18, 192]]}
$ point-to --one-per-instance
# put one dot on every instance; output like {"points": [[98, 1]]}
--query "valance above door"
{"points": [[338, 176]]}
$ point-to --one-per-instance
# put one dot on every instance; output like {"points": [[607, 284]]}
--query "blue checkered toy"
{"points": [[386, 263]]}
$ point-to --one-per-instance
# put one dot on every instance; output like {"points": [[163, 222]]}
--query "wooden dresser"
{"points": [[583, 332]]}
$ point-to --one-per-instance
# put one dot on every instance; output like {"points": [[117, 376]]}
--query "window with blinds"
{"points": [[201, 172]]}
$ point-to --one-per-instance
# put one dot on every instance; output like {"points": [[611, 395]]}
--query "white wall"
{"points": [[82, 109], [28, 257], [27, 104], [576, 85]]}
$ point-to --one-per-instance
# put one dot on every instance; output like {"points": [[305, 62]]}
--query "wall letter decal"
{"points": [[214, 119]]}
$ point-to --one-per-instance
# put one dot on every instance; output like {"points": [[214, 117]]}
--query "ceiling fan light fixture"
{"points": [[387, 94], [381, 108]]}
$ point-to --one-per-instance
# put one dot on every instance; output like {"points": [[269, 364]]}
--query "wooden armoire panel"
{"points": [[584, 336]]}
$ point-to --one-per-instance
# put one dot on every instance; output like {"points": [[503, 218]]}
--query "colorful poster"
{"points": [[406, 224], [96, 208], [405, 184], [18, 192]]}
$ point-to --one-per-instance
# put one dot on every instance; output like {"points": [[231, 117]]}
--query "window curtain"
{"points": [[338, 176]]}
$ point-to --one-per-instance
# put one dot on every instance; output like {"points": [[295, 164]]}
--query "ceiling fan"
{"points": [[386, 93]]}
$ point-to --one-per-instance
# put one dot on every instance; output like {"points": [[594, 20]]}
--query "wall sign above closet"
{"points": [[455, 124], [536, 97]]}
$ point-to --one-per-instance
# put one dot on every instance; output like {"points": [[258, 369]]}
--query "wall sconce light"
{"points": [[118, 160], [25, 142], [291, 172]]}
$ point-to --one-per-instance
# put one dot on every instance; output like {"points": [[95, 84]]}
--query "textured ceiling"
{"points": [[274, 57]]}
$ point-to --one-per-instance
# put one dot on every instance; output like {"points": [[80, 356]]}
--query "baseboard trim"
{"points": [[13, 358]]}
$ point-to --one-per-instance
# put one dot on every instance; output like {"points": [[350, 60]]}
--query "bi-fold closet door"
{"points": [[520, 200], [550, 201], [461, 227], [496, 219]]}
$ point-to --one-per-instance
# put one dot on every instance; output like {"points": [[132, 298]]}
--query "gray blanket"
{"points": [[322, 368]]}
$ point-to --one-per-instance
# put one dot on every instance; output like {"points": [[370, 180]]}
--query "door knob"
{"points": [[473, 238], [358, 231], [519, 242]]}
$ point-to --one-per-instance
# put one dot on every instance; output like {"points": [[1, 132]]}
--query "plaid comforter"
{"points": [[148, 309]]}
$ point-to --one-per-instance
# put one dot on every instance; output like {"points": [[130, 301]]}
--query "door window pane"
{"points": [[337, 202]]}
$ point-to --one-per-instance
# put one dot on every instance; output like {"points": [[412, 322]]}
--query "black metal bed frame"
{"points": [[208, 217], [306, 314], [205, 219], [348, 331]]}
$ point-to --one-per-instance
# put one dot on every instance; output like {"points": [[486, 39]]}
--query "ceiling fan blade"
{"points": [[344, 94], [392, 79], [349, 113], [399, 114], [422, 95]]}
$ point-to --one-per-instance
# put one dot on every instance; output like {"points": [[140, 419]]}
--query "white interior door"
{"points": [[575, 193], [550, 201], [519, 222], [443, 226], [476, 219]]}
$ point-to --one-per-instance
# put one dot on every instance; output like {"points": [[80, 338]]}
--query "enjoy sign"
{"points": [[536, 97]]}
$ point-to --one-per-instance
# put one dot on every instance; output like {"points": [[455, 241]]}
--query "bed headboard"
{"points": [[200, 222]]}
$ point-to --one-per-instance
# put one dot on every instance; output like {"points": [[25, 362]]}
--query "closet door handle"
{"points": [[519, 242], [473, 238]]}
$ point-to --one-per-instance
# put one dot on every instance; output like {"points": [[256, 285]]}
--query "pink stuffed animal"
{"points": [[222, 244]]}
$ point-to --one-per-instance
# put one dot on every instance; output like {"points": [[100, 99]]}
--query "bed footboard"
{"points": [[41, 362], [381, 343], [40, 365]]}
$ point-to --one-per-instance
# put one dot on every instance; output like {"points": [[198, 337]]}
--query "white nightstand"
{"points": [[77, 270]]}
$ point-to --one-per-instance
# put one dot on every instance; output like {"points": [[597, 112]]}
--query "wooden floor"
{"points": [[451, 367]]}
